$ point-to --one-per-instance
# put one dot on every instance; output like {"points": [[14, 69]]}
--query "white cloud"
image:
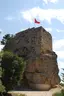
{"points": [[58, 47], [1, 33], [58, 30], [54, 37], [58, 44], [52, 1], [9, 18], [60, 54], [49, 29], [43, 14], [1, 30], [61, 64], [1, 47]]}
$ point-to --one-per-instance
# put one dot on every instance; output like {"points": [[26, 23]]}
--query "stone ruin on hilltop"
{"points": [[35, 45]]}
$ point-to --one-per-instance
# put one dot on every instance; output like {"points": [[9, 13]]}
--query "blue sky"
{"points": [[17, 15]]}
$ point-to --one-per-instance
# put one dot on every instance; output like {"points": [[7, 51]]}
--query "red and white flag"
{"points": [[35, 21]]}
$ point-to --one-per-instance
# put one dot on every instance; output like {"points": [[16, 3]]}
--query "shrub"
{"points": [[13, 68], [62, 84], [5, 94], [57, 94], [62, 91], [2, 88], [18, 94]]}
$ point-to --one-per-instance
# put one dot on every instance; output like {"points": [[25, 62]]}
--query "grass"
{"points": [[62, 84], [59, 94], [18, 94], [11, 94]]}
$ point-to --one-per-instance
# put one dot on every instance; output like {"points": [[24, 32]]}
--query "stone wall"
{"points": [[35, 45], [31, 41], [35, 39]]}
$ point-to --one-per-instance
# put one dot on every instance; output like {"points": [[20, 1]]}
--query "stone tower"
{"points": [[35, 45]]}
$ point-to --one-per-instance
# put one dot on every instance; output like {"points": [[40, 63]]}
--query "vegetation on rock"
{"points": [[6, 38], [2, 88], [59, 93], [12, 68]]}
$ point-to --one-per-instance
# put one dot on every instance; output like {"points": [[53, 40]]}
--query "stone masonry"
{"points": [[35, 45]]}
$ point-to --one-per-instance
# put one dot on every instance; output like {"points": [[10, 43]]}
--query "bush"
{"points": [[18, 94], [2, 88], [62, 91], [13, 68], [62, 84], [5, 94], [59, 94]]}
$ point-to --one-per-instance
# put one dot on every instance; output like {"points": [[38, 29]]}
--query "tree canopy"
{"points": [[13, 68], [6, 38], [2, 88]]}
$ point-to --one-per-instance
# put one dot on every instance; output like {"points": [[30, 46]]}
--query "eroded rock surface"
{"points": [[43, 70], [35, 45]]}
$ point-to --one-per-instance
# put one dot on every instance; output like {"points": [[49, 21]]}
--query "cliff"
{"points": [[35, 45]]}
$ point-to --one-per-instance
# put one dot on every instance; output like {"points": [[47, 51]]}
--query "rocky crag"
{"points": [[35, 45]]}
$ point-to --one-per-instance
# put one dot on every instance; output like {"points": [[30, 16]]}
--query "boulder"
{"points": [[35, 46], [43, 70], [41, 87]]}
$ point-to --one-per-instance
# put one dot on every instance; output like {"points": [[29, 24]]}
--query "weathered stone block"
{"points": [[44, 70], [35, 45], [33, 41]]}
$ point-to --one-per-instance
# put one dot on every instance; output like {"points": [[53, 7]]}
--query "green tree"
{"points": [[2, 88], [13, 68], [63, 75], [6, 38]]}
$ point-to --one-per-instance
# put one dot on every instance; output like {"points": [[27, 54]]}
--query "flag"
{"points": [[35, 21]]}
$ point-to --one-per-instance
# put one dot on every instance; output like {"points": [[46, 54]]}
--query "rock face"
{"points": [[43, 71], [31, 42], [35, 45]]}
